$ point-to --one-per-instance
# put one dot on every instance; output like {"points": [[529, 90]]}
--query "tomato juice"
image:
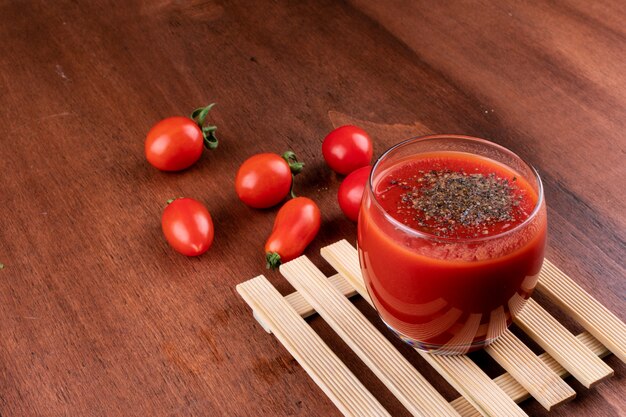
{"points": [[450, 245]]}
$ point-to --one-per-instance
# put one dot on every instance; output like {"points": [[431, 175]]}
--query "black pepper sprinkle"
{"points": [[446, 200]]}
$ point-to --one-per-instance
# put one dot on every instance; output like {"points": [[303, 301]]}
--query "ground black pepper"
{"points": [[445, 201]]}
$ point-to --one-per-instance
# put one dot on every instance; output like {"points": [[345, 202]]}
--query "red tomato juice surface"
{"points": [[443, 274]]}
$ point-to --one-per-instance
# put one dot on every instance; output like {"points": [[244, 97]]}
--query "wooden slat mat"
{"points": [[527, 374]]}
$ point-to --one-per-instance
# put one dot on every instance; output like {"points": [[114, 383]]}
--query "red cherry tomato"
{"points": [[351, 192], [265, 179], [296, 225], [347, 148], [187, 226], [176, 143]]}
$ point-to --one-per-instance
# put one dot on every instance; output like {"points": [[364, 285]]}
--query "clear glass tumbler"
{"points": [[451, 284]]}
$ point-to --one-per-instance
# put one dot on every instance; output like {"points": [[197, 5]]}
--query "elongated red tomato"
{"points": [[351, 192], [187, 226], [265, 179], [347, 148], [175, 143], [296, 225]]}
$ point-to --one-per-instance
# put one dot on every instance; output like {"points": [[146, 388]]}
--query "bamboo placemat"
{"points": [[539, 376]]}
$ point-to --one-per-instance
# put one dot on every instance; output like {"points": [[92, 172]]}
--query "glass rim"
{"points": [[429, 236]]}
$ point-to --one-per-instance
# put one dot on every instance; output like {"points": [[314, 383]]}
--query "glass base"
{"points": [[444, 350]]}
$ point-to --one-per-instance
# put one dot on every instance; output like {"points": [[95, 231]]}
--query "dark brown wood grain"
{"points": [[99, 317]]}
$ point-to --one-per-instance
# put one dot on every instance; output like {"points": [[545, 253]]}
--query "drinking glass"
{"points": [[445, 294]]}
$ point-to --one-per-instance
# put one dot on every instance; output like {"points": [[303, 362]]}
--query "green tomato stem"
{"points": [[199, 115], [292, 160], [295, 166], [171, 200], [291, 193], [272, 260]]}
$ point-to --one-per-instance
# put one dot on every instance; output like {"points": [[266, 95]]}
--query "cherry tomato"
{"points": [[347, 148], [265, 179], [351, 191], [176, 143], [296, 225], [187, 226]]}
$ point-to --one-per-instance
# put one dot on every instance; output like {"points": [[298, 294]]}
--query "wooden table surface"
{"points": [[99, 317]]}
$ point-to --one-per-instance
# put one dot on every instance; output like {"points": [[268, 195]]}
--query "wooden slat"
{"points": [[585, 309], [345, 259], [562, 345], [463, 374], [315, 357], [402, 379], [302, 306], [532, 373]]}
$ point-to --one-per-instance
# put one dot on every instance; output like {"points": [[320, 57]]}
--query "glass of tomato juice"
{"points": [[451, 238]]}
